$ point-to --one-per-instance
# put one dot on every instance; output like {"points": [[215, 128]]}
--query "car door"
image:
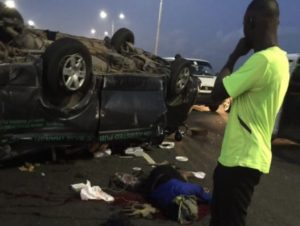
{"points": [[18, 92], [289, 126], [130, 102]]}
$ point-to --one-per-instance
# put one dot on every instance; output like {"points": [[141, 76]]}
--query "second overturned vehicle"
{"points": [[58, 89]]}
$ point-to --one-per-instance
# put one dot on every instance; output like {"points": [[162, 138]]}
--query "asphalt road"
{"points": [[43, 197]]}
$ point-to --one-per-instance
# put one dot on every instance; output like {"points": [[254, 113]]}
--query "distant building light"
{"points": [[10, 4], [105, 33]]}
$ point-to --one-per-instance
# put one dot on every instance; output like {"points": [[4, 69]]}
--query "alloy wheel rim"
{"points": [[74, 72], [182, 79]]}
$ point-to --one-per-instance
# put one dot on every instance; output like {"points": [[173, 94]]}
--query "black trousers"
{"points": [[232, 193]]}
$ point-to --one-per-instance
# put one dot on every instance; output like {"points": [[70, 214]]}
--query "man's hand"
{"points": [[219, 92]]}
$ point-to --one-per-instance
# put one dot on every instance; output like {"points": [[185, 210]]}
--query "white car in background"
{"points": [[293, 59], [203, 70]]}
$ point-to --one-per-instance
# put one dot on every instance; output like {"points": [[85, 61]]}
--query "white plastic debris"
{"points": [[148, 158], [167, 145], [182, 158], [139, 152], [108, 151], [100, 154], [199, 174], [137, 169], [78, 187], [88, 192], [136, 151]]}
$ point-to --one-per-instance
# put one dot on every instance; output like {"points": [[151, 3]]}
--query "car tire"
{"points": [[180, 74], [120, 39], [67, 66], [213, 108]]}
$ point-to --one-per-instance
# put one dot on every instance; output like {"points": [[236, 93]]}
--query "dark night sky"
{"points": [[195, 28]]}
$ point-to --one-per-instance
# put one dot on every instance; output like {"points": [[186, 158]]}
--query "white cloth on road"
{"points": [[88, 192]]}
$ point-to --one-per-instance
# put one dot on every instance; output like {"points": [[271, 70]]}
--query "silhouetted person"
{"points": [[258, 89]]}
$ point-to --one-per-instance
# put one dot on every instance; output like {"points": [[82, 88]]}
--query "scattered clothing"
{"points": [[28, 167], [88, 192]]}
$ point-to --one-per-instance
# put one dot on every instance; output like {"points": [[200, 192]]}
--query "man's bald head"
{"points": [[265, 8], [261, 23]]}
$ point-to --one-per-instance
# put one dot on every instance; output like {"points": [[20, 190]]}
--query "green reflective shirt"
{"points": [[258, 89]]}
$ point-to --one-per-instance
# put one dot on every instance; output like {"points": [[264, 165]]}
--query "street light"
{"points": [[158, 26], [31, 23], [121, 16], [93, 31], [103, 15], [10, 4], [105, 33]]}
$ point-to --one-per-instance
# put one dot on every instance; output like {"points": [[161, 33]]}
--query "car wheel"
{"points": [[67, 68], [120, 39], [213, 108], [180, 74]]}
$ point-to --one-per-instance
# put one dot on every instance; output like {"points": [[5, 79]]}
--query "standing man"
{"points": [[258, 89]]}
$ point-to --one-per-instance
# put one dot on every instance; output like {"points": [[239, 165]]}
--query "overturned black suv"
{"points": [[57, 89]]}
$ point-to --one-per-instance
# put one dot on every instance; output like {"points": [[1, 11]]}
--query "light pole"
{"points": [[103, 15], [158, 26]]}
